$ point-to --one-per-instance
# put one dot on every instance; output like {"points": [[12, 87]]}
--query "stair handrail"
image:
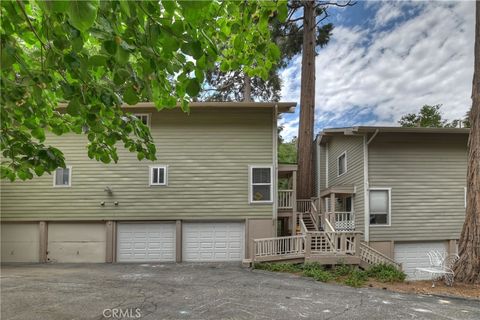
{"points": [[314, 214], [364, 248], [303, 227]]}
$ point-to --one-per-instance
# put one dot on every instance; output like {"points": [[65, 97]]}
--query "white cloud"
{"points": [[374, 75]]}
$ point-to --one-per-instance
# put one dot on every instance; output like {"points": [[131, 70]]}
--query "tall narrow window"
{"points": [[144, 117], [62, 177], [380, 207], [158, 176], [342, 164], [261, 184]]}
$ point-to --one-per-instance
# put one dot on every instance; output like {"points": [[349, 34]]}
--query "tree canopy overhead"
{"points": [[97, 55], [221, 85], [431, 116]]}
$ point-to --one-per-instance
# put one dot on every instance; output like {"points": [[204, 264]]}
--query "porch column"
{"points": [[294, 203], [332, 209]]}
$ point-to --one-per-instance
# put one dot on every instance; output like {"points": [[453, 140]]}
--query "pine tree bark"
{"points": [[467, 269], [307, 104], [247, 89]]}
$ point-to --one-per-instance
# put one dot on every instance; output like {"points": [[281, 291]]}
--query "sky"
{"points": [[387, 59]]}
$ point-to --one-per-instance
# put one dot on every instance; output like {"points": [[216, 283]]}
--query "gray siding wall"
{"points": [[207, 153], [427, 174], [323, 165], [353, 146]]}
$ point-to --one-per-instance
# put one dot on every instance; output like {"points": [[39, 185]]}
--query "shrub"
{"points": [[278, 267], [342, 270], [318, 274], [309, 266], [356, 278], [386, 273]]}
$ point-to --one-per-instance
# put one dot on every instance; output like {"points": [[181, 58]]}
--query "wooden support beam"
{"points": [[178, 241], [43, 232]]}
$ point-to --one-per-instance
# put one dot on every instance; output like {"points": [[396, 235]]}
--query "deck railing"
{"points": [[304, 205], [343, 242], [285, 199], [342, 220], [280, 247]]}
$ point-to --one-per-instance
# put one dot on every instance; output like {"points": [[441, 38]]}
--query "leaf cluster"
{"points": [[96, 56]]}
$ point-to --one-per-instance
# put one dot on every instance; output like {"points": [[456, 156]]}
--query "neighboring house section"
{"points": [[406, 185], [212, 187]]}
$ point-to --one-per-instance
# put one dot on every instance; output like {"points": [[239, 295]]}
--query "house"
{"points": [[403, 188], [212, 189]]}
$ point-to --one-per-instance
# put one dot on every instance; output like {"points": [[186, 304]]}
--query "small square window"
{"points": [[62, 177], [144, 117], [261, 184], [158, 176], [342, 164]]}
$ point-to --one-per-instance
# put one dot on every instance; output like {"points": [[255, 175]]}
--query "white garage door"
{"points": [[221, 241], [141, 242], [414, 255]]}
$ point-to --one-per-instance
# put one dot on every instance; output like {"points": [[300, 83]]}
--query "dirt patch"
{"points": [[425, 287]]}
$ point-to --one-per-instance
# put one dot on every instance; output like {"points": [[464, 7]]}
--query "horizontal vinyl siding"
{"points": [[207, 153], [323, 165], [427, 174], [353, 145]]}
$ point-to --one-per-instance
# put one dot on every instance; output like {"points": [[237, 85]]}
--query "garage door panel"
{"points": [[222, 241], [414, 255], [140, 242], [20, 242], [77, 242]]}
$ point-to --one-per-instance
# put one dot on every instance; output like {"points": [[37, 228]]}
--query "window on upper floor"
{"points": [[380, 206], [62, 177], [261, 188], [158, 175], [144, 117], [342, 164]]}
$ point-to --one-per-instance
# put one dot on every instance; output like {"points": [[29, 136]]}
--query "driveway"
{"points": [[202, 291]]}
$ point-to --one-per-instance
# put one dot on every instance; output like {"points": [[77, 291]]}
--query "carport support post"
{"points": [[43, 231], [178, 241], [110, 242]]}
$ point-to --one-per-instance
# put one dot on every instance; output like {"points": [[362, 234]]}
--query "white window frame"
{"points": [[465, 196], [250, 184], [338, 164], [69, 178], [389, 214], [142, 115], [150, 175]]}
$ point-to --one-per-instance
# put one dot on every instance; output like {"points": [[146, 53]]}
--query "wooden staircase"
{"points": [[309, 224], [318, 241]]}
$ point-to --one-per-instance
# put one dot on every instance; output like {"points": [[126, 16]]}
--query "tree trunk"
{"points": [[247, 89], [307, 104], [467, 269]]}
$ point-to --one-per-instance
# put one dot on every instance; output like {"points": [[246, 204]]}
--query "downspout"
{"points": [[275, 168], [366, 185]]}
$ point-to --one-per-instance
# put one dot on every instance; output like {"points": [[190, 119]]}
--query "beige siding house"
{"points": [[404, 188], [212, 189]]}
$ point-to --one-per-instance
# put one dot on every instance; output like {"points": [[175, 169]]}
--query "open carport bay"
{"points": [[203, 291]]}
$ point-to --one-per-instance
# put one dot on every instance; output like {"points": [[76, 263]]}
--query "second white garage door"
{"points": [[414, 255], [221, 241], [145, 242]]}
